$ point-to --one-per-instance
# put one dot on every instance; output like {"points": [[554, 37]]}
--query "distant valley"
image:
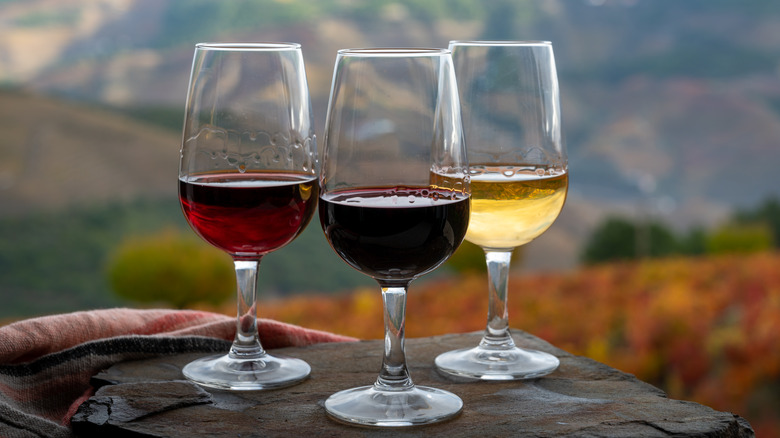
{"points": [[671, 110]]}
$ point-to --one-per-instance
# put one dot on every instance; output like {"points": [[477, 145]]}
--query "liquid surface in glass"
{"points": [[249, 214], [394, 233], [512, 205]]}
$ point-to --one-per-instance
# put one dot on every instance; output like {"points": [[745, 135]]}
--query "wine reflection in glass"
{"points": [[519, 179], [394, 204], [248, 185]]}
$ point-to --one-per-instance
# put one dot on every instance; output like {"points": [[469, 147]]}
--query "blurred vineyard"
{"points": [[702, 329]]}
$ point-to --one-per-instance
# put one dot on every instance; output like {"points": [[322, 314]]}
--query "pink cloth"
{"points": [[46, 363], [29, 339]]}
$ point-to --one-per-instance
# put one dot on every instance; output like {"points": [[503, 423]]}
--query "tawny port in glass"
{"points": [[248, 185]]}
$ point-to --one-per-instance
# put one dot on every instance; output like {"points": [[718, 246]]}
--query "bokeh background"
{"points": [[663, 262]]}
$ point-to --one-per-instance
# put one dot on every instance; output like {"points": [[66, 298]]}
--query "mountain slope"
{"points": [[55, 154]]}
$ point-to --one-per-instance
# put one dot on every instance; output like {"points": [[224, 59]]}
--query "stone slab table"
{"points": [[583, 398]]}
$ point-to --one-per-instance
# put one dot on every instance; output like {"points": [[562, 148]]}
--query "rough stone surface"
{"points": [[583, 398]]}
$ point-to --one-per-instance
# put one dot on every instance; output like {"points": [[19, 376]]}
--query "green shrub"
{"points": [[740, 239], [173, 268], [470, 258], [621, 239], [768, 212]]}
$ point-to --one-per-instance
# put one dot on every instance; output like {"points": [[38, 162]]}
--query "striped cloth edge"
{"points": [[46, 363]]}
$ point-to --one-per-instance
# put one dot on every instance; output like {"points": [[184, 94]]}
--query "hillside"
{"points": [[663, 101], [665, 105], [79, 180], [57, 154]]}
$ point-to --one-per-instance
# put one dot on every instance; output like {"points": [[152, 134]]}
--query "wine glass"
{"points": [[519, 178], [248, 185], [394, 204]]}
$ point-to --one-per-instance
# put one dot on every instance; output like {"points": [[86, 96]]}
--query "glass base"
{"points": [[497, 364], [258, 373], [370, 406]]}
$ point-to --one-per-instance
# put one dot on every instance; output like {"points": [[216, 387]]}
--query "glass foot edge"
{"points": [[257, 374], [508, 364], [370, 407]]}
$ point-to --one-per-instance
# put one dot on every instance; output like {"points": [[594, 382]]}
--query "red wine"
{"points": [[248, 214], [394, 234]]}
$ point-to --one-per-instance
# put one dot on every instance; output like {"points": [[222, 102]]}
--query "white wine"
{"points": [[512, 205]]}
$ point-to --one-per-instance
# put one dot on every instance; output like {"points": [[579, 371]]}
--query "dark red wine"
{"points": [[394, 234], [248, 214]]}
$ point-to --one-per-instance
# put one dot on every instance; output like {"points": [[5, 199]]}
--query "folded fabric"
{"points": [[46, 363]]}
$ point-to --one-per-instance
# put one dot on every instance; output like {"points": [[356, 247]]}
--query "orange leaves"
{"points": [[702, 329]]}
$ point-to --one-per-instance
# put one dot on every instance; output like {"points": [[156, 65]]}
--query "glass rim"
{"points": [[394, 52], [248, 46], [508, 43]]}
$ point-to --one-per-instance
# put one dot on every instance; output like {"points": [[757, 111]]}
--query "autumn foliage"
{"points": [[703, 329]]}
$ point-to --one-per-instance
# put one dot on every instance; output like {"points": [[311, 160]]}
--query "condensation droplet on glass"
{"points": [[540, 172], [508, 172], [411, 199], [242, 167], [424, 193]]}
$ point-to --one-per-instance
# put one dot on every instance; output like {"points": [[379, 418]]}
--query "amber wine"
{"points": [[512, 205]]}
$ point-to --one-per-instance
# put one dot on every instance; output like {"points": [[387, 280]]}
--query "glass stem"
{"points": [[497, 336], [394, 375], [246, 344]]}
